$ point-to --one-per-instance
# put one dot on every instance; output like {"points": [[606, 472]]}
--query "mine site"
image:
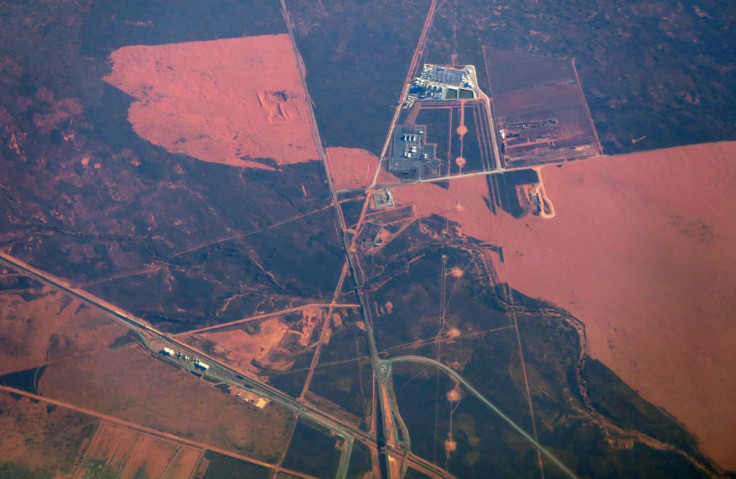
{"points": [[296, 239]]}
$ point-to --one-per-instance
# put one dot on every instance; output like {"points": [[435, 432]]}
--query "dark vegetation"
{"points": [[343, 374], [24, 380], [414, 292], [414, 474], [11, 470], [357, 54], [313, 452], [110, 25], [657, 69], [360, 461], [17, 283], [484, 442], [291, 382], [351, 210], [506, 184], [628, 410], [225, 466], [167, 237], [576, 400]]}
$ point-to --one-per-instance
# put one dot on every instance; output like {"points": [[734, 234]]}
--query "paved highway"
{"points": [[221, 372], [217, 370], [469, 387], [347, 243], [385, 438]]}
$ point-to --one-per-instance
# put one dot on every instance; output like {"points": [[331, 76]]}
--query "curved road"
{"points": [[469, 387], [218, 370]]}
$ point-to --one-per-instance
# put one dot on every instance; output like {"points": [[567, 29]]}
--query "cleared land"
{"points": [[540, 105], [236, 101], [351, 167], [134, 387], [117, 451], [43, 325], [640, 250], [274, 343]]}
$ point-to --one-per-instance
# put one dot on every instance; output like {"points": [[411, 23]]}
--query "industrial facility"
{"points": [[443, 83], [410, 154], [196, 363], [383, 199]]}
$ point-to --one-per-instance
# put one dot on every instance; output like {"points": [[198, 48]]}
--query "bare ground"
{"points": [[640, 250], [131, 385], [231, 101]]}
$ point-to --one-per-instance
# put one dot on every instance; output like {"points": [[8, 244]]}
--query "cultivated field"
{"points": [[135, 387], [117, 451], [235, 101]]}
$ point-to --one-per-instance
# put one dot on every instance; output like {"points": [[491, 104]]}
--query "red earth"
{"points": [[351, 167], [230, 101], [641, 249]]}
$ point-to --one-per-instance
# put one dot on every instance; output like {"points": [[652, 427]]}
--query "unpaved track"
{"points": [[148, 430]]}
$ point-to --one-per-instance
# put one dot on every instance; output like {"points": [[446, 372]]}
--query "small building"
{"points": [[167, 352], [200, 365], [383, 199], [251, 398], [411, 154]]}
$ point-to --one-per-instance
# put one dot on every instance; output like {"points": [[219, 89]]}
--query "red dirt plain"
{"points": [[642, 251], [226, 101], [48, 327], [274, 342], [131, 385], [351, 167]]}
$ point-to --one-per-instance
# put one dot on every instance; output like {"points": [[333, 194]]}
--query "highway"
{"points": [[386, 439], [221, 372], [393, 450], [217, 370], [347, 243], [451, 372]]}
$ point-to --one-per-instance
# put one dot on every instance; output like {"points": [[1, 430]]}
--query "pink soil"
{"points": [[219, 101], [351, 167], [642, 251], [50, 327]]}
